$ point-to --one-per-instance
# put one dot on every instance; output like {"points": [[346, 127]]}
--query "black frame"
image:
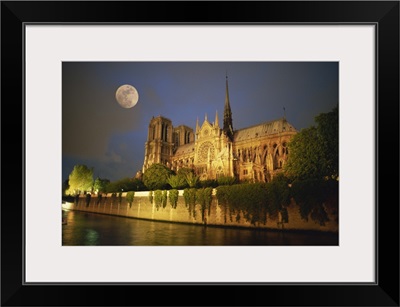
{"points": [[384, 14]]}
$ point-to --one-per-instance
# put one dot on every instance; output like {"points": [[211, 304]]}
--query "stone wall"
{"points": [[142, 208]]}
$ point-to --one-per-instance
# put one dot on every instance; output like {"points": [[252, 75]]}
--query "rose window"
{"points": [[204, 150]]}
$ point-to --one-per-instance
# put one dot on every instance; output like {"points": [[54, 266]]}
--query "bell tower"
{"points": [[159, 145]]}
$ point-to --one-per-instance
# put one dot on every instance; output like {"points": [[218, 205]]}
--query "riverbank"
{"points": [[144, 207]]}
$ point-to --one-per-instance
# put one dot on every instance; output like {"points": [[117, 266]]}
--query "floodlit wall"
{"points": [[144, 208]]}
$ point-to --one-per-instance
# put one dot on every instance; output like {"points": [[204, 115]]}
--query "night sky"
{"points": [[98, 132]]}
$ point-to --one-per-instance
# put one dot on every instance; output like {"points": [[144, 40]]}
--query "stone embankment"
{"points": [[144, 207]]}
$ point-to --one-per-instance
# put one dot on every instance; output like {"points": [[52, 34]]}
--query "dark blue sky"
{"points": [[99, 133]]}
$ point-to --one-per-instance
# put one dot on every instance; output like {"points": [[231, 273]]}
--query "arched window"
{"points": [[166, 133], [187, 137]]}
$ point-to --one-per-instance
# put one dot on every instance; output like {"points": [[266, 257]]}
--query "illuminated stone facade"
{"points": [[252, 154]]}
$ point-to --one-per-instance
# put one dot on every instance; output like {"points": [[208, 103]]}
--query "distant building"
{"points": [[255, 153]]}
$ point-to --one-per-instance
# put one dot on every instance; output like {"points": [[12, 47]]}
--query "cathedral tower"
{"points": [[159, 145]]}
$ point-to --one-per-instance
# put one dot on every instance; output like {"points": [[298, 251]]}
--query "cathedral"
{"points": [[251, 154]]}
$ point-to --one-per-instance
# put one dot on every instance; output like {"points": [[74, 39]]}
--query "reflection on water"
{"points": [[95, 229]]}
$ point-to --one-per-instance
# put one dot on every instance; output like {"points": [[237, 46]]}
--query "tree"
{"points": [[65, 187], [100, 185], [156, 176], [314, 151], [192, 180], [183, 173], [328, 129], [125, 184], [177, 182], [80, 180]]}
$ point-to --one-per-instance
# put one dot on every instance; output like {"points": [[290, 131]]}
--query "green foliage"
{"points": [[158, 198], [192, 180], [209, 183], [204, 198], [314, 196], [138, 185], [189, 194], [164, 198], [100, 185], [156, 177], [80, 180], [328, 129], [125, 185], [173, 198], [181, 181], [314, 151], [226, 180], [305, 155], [248, 199], [177, 182], [151, 197], [129, 198], [184, 171], [278, 195]]}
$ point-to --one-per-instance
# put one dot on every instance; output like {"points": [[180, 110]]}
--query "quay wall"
{"points": [[142, 207]]}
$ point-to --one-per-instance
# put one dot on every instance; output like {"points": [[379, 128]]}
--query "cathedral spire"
{"points": [[197, 125], [216, 119], [228, 128]]}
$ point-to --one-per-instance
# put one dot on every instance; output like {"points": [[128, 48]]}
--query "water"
{"points": [[95, 229]]}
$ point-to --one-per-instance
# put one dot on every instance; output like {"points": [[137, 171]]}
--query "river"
{"points": [[90, 229]]}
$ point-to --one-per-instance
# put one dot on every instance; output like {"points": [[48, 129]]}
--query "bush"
{"points": [[209, 183], [177, 182], [226, 180], [156, 177], [192, 180]]}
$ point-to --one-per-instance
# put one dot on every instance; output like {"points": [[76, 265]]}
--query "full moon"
{"points": [[127, 96]]}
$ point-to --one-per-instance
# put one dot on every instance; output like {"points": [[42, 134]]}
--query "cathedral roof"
{"points": [[185, 149], [267, 128]]}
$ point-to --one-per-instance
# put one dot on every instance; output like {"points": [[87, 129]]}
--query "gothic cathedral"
{"points": [[251, 154]]}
